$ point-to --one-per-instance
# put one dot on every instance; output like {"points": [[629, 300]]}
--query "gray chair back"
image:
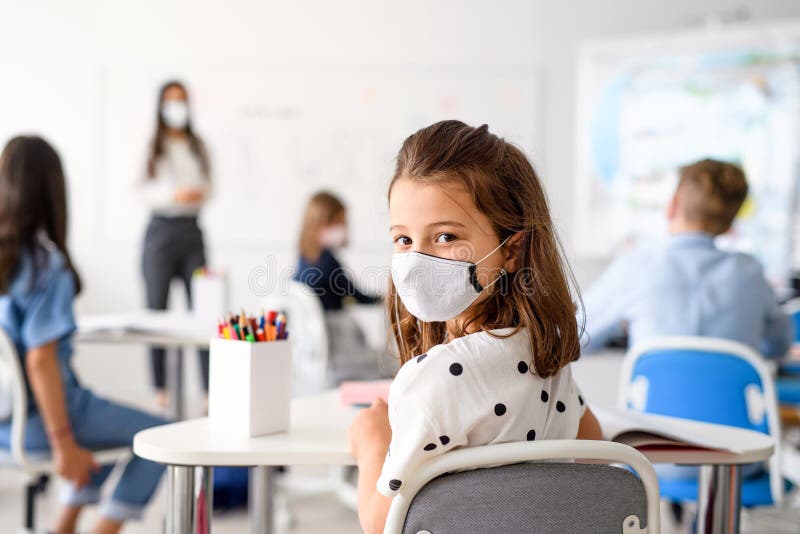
{"points": [[541, 498]]}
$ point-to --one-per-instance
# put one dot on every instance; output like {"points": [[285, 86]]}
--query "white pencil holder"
{"points": [[250, 387]]}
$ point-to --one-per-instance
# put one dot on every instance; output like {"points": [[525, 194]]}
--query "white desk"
{"points": [[317, 435], [173, 330]]}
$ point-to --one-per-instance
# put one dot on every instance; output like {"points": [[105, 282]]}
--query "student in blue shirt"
{"points": [[688, 286], [38, 284], [323, 233]]}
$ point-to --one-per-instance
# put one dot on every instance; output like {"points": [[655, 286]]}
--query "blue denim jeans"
{"points": [[96, 424]]}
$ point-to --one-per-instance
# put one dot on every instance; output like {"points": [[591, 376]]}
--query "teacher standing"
{"points": [[176, 185]]}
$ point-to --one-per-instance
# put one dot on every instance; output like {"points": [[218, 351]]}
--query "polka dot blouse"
{"points": [[475, 390]]}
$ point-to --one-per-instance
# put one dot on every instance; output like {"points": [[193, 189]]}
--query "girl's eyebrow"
{"points": [[431, 225], [447, 223]]}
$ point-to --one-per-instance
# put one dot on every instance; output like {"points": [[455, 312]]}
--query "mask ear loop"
{"points": [[401, 342]]}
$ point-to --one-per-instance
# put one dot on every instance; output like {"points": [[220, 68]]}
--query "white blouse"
{"points": [[177, 168], [474, 390]]}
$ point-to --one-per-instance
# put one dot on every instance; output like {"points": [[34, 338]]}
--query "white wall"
{"points": [[52, 54]]}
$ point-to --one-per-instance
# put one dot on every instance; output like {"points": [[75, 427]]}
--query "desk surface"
{"points": [[147, 327], [318, 436]]}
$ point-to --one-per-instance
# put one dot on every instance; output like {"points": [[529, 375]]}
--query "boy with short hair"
{"points": [[688, 287]]}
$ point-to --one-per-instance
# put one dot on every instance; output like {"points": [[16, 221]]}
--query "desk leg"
{"points": [[180, 499], [262, 486], [175, 382], [719, 499], [204, 499]]}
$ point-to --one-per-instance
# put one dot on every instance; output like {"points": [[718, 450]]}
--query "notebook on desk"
{"points": [[643, 430], [364, 393]]}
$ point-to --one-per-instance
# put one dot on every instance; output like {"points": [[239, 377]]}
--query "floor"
{"points": [[322, 514]]}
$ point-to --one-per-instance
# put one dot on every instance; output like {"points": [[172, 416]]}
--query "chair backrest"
{"points": [[14, 394], [792, 309], [307, 333], [704, 379], [503, 492]]}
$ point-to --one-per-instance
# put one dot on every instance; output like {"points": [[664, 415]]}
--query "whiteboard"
{"points": [[277, 135], [648, 105]]}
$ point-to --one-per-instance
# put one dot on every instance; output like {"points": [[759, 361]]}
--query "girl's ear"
{"points": [[511, 252]]}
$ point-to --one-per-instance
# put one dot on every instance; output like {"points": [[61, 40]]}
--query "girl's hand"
{"points": [[370, 433], [74, 463]]}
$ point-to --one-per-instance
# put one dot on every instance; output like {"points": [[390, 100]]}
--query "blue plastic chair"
{"points": [[792, 309], [710, 380]]}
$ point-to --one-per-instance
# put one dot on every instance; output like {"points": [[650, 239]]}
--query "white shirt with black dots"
{"points": [[475, 390]]}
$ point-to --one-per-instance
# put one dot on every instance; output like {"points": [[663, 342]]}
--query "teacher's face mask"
{"points": [[175, 113], [434, 288]]}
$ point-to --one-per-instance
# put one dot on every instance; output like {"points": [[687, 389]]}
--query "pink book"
{"points": [[363, 393]]}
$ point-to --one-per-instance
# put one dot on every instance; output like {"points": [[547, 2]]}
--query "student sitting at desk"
{"points": [[688, 286], [324, 231], [481, 311], [38, 283]]}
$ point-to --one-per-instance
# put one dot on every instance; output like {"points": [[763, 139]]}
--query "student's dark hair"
{"points": [[157, 143], [33, 201], [504, 187]]}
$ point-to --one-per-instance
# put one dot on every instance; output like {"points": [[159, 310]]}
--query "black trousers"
{"points": [[173, 248]]}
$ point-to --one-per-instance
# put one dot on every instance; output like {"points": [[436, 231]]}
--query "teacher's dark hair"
{"points": [[33, 201], [157, 144]]}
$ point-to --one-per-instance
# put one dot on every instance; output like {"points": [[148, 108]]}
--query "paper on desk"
{"points": [[642, 430]]}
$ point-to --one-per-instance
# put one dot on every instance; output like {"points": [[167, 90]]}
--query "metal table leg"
{"points": [[190, 499], [180, 499], [262, 486], [204, 499], [175, 382], [719, 499]]}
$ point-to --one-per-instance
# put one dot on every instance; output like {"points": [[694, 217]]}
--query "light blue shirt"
{"points": [[37, 309], [687, 287]]}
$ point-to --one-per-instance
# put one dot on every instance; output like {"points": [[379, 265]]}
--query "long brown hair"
{"points": [[322, 209], [157, 144], [33, 200], [505, 188]]}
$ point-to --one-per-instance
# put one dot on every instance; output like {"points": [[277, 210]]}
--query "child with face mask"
{"points": [[323, 232], [481, 310]]}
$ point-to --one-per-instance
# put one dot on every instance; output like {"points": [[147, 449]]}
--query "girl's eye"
{"points": [[445, 238], [402, 240]]}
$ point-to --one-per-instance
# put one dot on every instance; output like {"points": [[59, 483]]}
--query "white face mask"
{"points": [[333, 236], [175, 114], [434, 288]]}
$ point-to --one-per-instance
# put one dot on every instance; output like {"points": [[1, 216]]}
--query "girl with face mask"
{"points": [[176, 185], [480, 307], [323, 232]]}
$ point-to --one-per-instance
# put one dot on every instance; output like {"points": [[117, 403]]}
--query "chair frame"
{"points": [[38, 467], [729, 348], [519, 452]]}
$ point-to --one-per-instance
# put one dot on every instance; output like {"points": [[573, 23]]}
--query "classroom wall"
{"points": [[52, 56]]}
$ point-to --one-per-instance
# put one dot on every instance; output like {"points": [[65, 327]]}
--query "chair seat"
{"points": [[755, 490], [788, 390]]}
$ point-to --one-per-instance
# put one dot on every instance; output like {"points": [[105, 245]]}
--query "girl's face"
{"points": [[174, 93], [334, 234], [442, 220]]}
